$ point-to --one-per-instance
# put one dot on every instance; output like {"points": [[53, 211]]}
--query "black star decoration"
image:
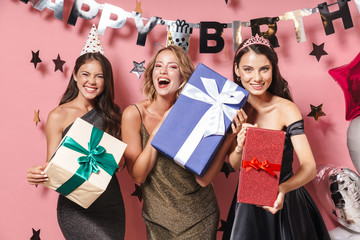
{"points": [[36, 235], [137, 192], [316, 112], [35, 58], [223, 226], [31, 1], [227, 169], [318, 51], [58, 63], [138, 68]]}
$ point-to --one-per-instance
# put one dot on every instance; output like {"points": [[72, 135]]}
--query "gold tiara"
{"points": [[256, 40]]}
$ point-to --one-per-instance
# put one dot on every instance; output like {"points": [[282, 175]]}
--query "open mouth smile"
{"points": [[90, 89], [257, 86], [163, 82]]}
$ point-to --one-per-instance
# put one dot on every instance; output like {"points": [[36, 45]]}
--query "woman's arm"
{"points": [[36, 175], [235, 153], [307, 167], [305, 173], [54, 130], [139, 161]]}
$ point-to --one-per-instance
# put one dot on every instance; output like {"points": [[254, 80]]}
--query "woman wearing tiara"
{"points": [[294, 214], [89, 95]]}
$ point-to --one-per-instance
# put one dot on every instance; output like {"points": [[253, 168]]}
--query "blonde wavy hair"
{"points": [[186, 68]]}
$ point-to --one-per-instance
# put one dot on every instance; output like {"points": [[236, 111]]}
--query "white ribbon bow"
{"points": [[212, 122]]}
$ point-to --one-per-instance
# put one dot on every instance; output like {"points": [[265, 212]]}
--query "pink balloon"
{"points": [[348, 77]]}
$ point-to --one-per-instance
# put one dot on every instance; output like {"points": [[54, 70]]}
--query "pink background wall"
{"points": [[25, 89]]}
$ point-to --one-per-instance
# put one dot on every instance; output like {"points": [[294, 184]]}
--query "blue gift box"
{"points": [[195, 126]]}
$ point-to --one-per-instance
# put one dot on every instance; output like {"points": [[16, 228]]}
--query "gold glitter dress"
{"points": [[175, 205]]}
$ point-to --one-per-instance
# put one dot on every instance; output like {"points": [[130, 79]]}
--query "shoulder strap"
{"points": [[296, 128], [139, 112]]}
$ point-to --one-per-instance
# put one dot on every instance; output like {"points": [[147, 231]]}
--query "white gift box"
{"points": [[65, 171]]}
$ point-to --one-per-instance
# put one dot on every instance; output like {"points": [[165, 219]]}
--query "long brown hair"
{"points": [[279, 86], [104, 104], [186, 68]]}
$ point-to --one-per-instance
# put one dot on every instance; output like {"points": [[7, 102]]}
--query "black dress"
{"points": [[104, 219], [299, 219]]}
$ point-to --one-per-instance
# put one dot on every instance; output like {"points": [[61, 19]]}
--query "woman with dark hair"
{"points": [[89, 95], [177, 204], [108, 110], [294, 214]]}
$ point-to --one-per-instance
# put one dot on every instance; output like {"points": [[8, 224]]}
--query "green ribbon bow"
{"points": [[94, 158]]}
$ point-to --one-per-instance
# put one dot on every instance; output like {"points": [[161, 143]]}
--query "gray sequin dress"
{"points": [[175, 205], [104, 219]]}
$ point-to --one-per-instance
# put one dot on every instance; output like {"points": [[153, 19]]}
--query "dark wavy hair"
{"points": [[104, 104], [279, 86]]}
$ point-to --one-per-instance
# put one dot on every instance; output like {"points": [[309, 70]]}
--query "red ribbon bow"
{"points": [[265, 165]]}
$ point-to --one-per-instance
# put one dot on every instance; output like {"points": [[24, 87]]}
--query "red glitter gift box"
{"points": [[261, 165]]}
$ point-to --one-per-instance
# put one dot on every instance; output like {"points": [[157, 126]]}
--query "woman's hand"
{"points": [[241, 136], [279, 202], [122, 164], [239, 127], [36, 175], [239, 119]]}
